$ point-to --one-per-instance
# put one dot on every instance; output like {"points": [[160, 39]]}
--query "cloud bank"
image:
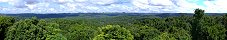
{"points": [[100, 6]]}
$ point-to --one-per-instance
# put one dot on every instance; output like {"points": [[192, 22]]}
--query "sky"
{"points": [[109, 6]]}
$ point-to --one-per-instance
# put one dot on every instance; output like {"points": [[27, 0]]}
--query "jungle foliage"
{"points": [[197, 27]]}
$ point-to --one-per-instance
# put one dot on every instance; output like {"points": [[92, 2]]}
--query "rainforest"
{"points": [[114, 26]]}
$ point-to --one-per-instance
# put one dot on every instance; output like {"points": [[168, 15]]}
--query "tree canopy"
{"points": [[198, 26]]}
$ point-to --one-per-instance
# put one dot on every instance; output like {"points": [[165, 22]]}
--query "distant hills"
{"points": [[61, 15]]}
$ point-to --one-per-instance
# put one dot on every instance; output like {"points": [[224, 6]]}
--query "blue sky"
{"points": [[100, 6]]}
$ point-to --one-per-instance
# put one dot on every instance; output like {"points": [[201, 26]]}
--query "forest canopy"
{"points": [[198, 26]]}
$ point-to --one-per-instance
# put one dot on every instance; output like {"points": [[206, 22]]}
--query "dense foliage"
{"points": [[114, 33], [121, 27]]}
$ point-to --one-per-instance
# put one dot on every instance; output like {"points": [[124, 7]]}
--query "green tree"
{"points": [[197, 33], [114, 32], [34, 29], [145, 33], [179, 33], [199, 13], [225, 20], [164, 36], [206, 27], [225, 23], [81, 32], [216, 32], [5, 22]]}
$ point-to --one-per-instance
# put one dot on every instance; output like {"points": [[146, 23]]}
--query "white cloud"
{"points": [[186, 7], [81, 0], [216, 6], [147, 6], [157, 6], [101, 2], [5, 0]]}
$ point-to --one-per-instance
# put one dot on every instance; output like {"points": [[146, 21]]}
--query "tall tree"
{"points": [[196, 24]]}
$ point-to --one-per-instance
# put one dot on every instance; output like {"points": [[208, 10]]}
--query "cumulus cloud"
{"points": [[216, 6], [88, 6]]}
